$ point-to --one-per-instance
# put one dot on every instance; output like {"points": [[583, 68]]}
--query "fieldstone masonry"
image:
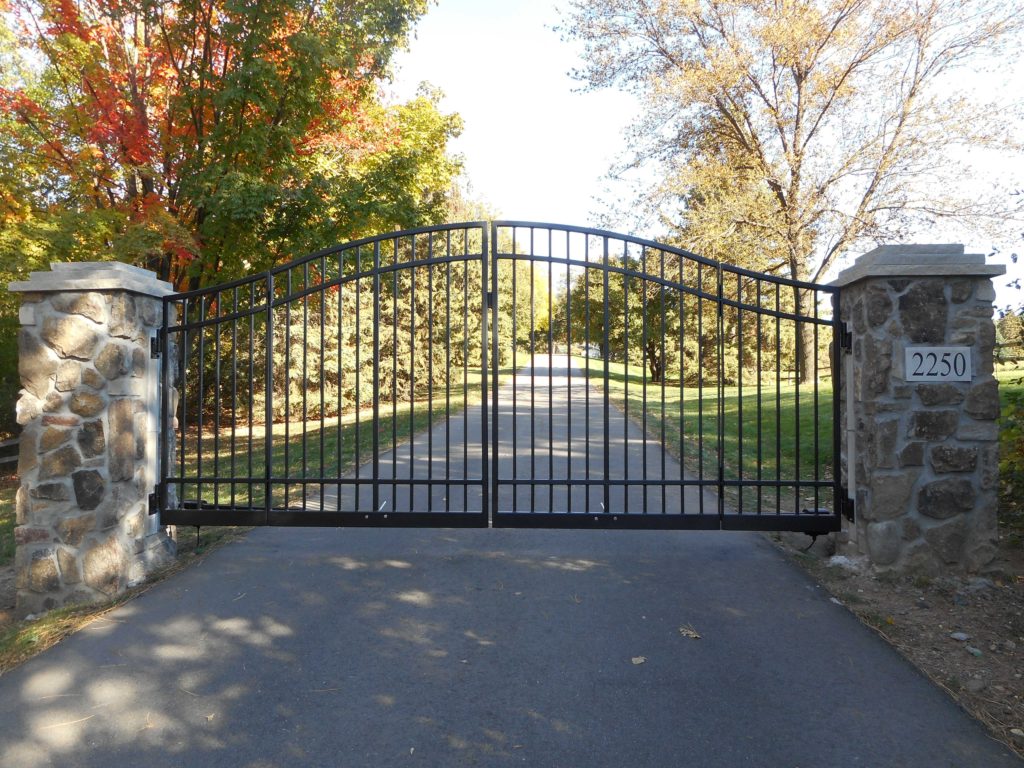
{"points": [[88, 451], [923, 455]]}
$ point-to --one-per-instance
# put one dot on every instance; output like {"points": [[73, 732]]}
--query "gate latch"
{"points": [[490, 300]]}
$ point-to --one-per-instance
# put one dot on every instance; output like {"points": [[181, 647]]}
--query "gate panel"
{"points": [[657, 389], [346, 388], [512, 374]]}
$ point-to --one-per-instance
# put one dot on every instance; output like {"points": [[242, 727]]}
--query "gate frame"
{"points": [[209, 514], [811, 522], [490, 255]]}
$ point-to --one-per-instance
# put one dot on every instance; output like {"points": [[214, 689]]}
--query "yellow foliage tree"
{"points": [[827, 122]]}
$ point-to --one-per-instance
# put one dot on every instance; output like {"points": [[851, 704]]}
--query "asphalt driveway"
{"points": [[306, 647]]}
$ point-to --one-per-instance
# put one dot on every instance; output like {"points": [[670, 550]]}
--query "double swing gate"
{"points": [[502, 374]]}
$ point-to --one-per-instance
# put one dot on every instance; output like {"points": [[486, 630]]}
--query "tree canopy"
{"points": [[809, 125], [205, 138]]}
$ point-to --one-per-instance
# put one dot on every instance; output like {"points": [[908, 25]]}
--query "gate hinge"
{"points": [[154, 504], [845, 338], [155, 344], [846, 507]]}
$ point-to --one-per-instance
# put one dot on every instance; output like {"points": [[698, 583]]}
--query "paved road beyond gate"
{"points": [[503, 373]]}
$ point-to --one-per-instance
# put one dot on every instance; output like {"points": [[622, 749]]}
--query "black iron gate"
{"points": [[505, 374]]}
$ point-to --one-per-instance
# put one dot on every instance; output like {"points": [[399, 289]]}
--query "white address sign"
{"points": [[938, 364]]}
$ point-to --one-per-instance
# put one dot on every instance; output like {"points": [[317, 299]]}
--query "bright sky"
{"points": [[536, 148]]}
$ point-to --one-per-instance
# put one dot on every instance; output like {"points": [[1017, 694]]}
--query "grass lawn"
{"points": [[329, 450], [770, 432], [1011, 381]]}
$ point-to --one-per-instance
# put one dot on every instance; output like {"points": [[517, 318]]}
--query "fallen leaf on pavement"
{"points": [[688, 631], [639, 659]]}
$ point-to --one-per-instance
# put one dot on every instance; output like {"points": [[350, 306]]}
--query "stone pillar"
{"points": [[89, 414], [924, 454]]}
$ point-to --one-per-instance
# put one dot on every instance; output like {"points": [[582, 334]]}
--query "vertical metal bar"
{"points": [[739, 393], [323, 370], [200, 402], [701, 362], [568, 363], [268, 402], [216, 398], [183, 397], [663, 322], [644, 318], [586, 363], [341, 373], [305, 378], [376, 376], [489, 416], [533, 383], [607, 386], [412, 370], [164, 421], [430, 379], [515, 367], [798, 368], [760, 413], [359, 375], [817, 421], [465, 371], [551, 382], [234, 389], [394, 383], [778, 400], [721, 393], [682, 380], [183, 373], [252, 392], [448, 375], [287, 385], [643, 380], [837, 388]]}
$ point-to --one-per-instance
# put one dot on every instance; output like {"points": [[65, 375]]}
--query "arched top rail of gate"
{"points": [[629, 256], [328, 268], [674, 268]]}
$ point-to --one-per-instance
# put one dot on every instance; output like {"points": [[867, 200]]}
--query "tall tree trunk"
{"points": [[655, 361], [800, 254], [804, 350]]}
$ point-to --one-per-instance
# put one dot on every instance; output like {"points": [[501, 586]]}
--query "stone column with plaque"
{"points": [[920, 408]]}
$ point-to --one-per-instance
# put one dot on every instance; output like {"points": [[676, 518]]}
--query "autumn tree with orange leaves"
{"points": [[210, 137], [205, 139]]}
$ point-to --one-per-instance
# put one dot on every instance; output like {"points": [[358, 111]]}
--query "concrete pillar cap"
{"points": [[94, 276], [935, 260]]}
